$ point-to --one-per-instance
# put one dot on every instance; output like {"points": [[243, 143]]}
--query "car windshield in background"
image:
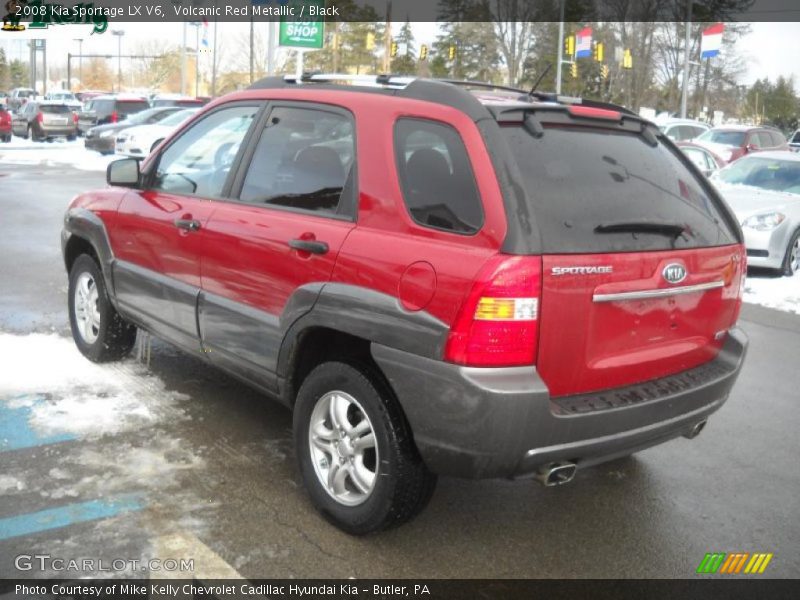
{"points": [[142, 116], [796, 138], [728, 138], [55, 108], [178, 117], [764, 173], [589, 187]]}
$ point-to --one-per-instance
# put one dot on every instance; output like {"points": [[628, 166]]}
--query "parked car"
{"points": [[139, 141], [64, 97], [19, 97], [681, 130], [87, 95], [433, 281], [5, 124], [734, 141], [177, 100], [704, 159], [102, 137], [794, 141], [42, 120], [764, 191], [109, 109]]}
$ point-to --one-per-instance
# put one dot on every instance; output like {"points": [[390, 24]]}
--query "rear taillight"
{"points": [[497, 325], [75, 118], [39, 117], [114, 117]]}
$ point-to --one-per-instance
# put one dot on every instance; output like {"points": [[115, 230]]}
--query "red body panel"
{"points": [[246, 255], [586, 346]]}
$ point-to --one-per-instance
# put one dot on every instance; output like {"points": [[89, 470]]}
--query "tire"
{"points": [[107, 336], [399, 486], [31, 134], [791, 261], [71, 138]]}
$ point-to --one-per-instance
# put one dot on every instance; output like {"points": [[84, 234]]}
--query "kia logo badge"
{"points": [[674, 273]]}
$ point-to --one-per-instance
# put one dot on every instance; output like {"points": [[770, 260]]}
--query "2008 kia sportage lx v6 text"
{"points": [[435, 278]]}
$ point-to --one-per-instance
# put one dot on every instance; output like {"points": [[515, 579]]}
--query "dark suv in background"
{"points": [[109, 109], [44, 120], [434, 281]]}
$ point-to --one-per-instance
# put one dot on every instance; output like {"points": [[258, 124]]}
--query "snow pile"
{"points": [[59, 152], [66, 393], [782, 293]]}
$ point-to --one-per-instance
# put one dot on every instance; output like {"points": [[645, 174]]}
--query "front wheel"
{"points": [[100, 333], [791, 262], [355, 451]]}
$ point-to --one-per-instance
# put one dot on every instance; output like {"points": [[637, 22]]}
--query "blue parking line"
{"points": [[64, 516], [15, 428]]}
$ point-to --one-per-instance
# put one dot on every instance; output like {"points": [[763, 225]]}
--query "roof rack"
{"points": [[385, 81]]}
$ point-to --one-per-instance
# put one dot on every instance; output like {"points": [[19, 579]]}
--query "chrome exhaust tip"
{"points": [[556, 474], [695, 430]]}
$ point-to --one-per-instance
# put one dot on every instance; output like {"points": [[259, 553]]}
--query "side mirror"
{"points": [[750, 148], [123, 172]]}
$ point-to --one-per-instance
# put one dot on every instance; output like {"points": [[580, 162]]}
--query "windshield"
{"points": [[177, 118], [796, 137], [763, 173], [141, 117], [728, 138], [586, 186], [58, 109]]}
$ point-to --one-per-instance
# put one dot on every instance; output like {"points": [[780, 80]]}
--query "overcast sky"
{"points": [[772, 49]]}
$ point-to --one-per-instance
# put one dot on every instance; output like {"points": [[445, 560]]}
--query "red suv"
{"points": [[435, 279]]}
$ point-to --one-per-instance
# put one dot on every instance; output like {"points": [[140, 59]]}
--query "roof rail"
{"points": [[382, 81], [482, 85]]}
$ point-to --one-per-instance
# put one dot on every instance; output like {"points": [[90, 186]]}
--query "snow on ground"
{"points": [[782, 293], [64, 393], [59, 152]]}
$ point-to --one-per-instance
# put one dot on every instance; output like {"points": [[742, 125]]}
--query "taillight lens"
{"points": [[39, 117], [114, 117], [497, 325], [75, 118]]}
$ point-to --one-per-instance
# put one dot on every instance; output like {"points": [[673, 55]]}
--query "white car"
{"points": [[683, 130], [64, 97], [139, 141]]}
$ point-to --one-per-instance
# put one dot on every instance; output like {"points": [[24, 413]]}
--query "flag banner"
{"points": [[712, 41], [583, 43]]}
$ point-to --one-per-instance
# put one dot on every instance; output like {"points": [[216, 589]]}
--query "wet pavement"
{"points": [[180, 461]]}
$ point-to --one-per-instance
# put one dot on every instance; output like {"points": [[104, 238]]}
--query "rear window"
{"points": [[129, 107], [436, 178], [55, 109], [583, 183], [728, 138]]}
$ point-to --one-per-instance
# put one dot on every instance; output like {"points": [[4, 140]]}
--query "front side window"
{"points": [[436, 177], [198, 162], [303, 160]]}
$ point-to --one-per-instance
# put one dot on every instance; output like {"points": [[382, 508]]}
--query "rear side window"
{"points": [[436, 177], [587, 185], [103, 106]]}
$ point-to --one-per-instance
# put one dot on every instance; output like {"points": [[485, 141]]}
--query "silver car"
{"points": [[763, 190]]}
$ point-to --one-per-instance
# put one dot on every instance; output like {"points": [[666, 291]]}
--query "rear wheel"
{"points": [[99, 332], [355, 451], [791, 262]]}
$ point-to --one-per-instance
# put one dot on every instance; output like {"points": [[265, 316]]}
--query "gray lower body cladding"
{"points": [[484, 423]]}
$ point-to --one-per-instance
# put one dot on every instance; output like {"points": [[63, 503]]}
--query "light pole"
{"points": [[119, 33], [196, 25], [80, 63]]}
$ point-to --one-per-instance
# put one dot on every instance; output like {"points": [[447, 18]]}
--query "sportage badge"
{"points": [[674, 273]]}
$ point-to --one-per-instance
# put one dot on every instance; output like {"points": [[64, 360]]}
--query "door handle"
{"points": [[187, 224], [312, 246]]}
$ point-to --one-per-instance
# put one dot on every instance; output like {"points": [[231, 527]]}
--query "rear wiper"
{"points": [[672, 230]]}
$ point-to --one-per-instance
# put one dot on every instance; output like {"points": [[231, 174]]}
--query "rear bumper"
{"points": [[485, 423], [57, 131]]}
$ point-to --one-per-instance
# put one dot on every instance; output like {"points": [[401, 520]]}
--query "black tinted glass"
{"points": [[128, 108], [436, 177], [584, 181], [303, 160], [55, 109]]}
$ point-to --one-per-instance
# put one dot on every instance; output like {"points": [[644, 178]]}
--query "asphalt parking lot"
{"points": [[176, 460]]}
